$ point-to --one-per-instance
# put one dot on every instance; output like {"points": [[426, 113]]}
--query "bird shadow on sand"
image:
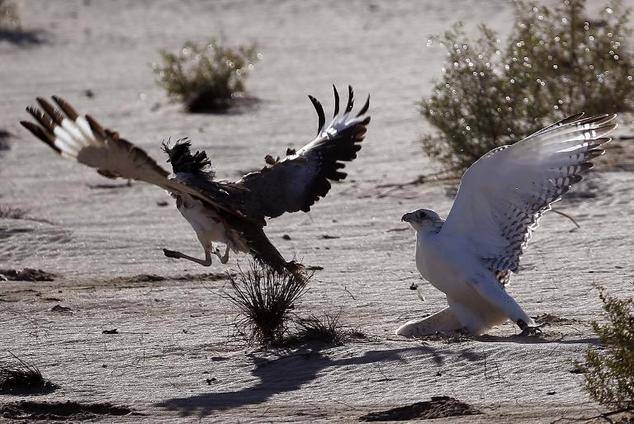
{"points": [[290, 373]]}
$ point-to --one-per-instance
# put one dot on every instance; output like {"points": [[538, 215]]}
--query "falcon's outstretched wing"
{"points": [[301, 178], [503, 194], [83, 139]]}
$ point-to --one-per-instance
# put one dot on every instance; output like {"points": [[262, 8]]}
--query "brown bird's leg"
{"points": [[178, 255]]}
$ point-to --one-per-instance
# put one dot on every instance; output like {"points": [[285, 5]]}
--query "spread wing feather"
{"points": [[301, 178], [83, 139], [503, 195]]}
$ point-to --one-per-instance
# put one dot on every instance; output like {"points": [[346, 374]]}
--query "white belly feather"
{"points": [[436, 265], [205, 222]]}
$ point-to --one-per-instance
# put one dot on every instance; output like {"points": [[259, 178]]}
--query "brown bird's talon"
{"points": [[170, 253]]}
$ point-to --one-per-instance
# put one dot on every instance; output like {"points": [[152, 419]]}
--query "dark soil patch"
{"points": [[21, 37], [106, 186], [314, 268], [438, 407], [61, 309], [4, 140], [27, 274], [452, 337], [151, 278], [27, 410]]}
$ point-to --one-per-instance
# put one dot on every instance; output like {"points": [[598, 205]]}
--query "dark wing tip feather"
{"points": [[334, 88], [320, 112], [365, 108], [40, 133], [52, 113], [594, 153], [66, 107], [42, 119], [350, 104], [95, 126], [571, 118], [584, 167]]}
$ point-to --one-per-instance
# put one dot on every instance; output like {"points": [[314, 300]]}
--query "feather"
{"points": [[182, 159]]}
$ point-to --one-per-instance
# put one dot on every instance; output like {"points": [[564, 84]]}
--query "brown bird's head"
{"points": [[182, 159]]}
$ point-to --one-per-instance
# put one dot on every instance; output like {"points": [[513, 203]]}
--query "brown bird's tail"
{"points": [[265, 253]]}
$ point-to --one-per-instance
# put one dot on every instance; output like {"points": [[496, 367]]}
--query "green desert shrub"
{"points": [[205, 77], [558, 61], [609, 371]]}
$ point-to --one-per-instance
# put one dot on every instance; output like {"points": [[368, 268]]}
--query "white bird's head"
{"points": [[423, 219]]}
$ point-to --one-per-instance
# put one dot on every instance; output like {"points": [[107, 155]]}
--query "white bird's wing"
{"points": [[504, 193], [83, 139]]}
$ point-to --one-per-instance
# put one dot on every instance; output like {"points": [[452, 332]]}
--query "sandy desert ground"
{"points": [[175, 356]]}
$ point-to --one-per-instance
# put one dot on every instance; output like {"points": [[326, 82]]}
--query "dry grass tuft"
{"points": [[265, 299], [9, 212], [206, 77], [23, 378], [325, 329], [608, 371], [558, 61]]}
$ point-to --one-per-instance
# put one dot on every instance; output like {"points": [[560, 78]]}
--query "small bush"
{"points": [[265, 298], [609, 372], [9, 18], [557, 62], [205, 77], [23, 378]]}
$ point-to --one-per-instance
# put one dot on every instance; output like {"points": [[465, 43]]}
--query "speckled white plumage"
{"points": [[501, 198]]}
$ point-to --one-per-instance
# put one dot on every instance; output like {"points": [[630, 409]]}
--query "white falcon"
{"points": [[501, 198]]}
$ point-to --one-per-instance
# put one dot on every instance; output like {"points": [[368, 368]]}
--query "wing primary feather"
{"points": [[95, 127], [594, 153], [336, 101], [320, 112], [66, 107], [42, 119], [350, 99], [585, 167], [50, 111], [365, 107], [41, 134], [566, 120]]}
